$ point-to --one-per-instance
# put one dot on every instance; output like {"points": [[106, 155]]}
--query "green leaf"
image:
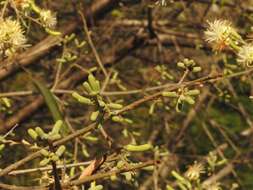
{"points": [[51, 104]]}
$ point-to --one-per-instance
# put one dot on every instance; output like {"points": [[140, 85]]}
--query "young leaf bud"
{"points": [[181, 65], [117, 119], [87, 87], [189, 100], [170, 94], [94, 115], [120, 164], [149, 168], [151, 109], [44, 152], [53, 32], [113, 178], [34, 7], [97, 85], [189, 63], [60, 150], [93, 83], [54, 158], [177, 176], [82, 99], [129, 121], [138, 148], [196, 69], [41, 133], [44, 162], [72, 172], [101, 103], [85, 152], [115, 106], [54, 137], [57, 127], [32, 134], [192, 92], [6, 102], [91, 138]]}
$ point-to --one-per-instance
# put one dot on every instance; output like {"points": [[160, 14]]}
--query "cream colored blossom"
{"points": [[194, 171], [11, 36], [220, 34], [162, 2], [23, 4], [48, 19], [245, 55]]}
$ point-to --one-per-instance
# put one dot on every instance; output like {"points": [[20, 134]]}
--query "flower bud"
{"points": [[93, 83], [44, 162], [60, 150], [57, 127], [192, 92], [138, 148], [44, 152], [54, 137], [170, 94], [115, 106], [82, 99], [189, 100], [196, 69], [87, 87], [41, 133], [94, 115], [32, 134], [181, 65], [117, 119]]}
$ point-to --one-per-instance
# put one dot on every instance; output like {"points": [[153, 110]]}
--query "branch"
{"points": [[108, 174]]}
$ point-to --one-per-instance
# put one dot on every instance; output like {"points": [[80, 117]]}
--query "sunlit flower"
{"points": [[220, 34], [48, 19], [162, 2], [23, 4], [245, 55], [11, 35], [194, 171]]}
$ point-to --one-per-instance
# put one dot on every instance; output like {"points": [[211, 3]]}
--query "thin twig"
{"points": [[108, 174], [86, 30]]}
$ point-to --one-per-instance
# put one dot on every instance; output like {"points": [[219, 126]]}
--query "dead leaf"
{"points": [[92, 167]]}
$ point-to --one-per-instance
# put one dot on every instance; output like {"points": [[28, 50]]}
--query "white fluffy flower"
{"points": [[48, 19], [194, 171], [245, 55], [220, 34], [11, 35]]}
